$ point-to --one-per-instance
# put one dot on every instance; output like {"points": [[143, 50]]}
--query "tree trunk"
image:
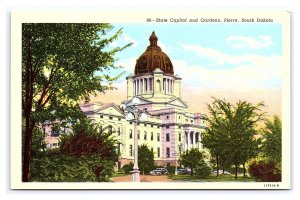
{"points": [[27, 150], [217, 158], [236, 171], [29, 122], [244, 170]]}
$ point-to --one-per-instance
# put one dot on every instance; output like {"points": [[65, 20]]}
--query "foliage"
{"points": [[62, 64], [89, 139], [265, 171], [57, 167], [146, 159], [127, 168], [38, 143], [88, 154], [171, 169], [231, 136], [272, 140], [191, 158], [202, 170]]}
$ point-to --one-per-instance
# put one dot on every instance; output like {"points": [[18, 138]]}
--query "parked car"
{"points": [[159, 171], [221, 172], [183, 171]]}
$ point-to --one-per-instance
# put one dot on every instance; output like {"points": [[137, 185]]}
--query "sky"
{"points": [[228, 61]]}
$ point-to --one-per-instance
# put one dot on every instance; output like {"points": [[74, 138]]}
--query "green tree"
{"points": [[202, 170], [272, 147], [62, 64], [232, 133], [191, 158], [146, 159]]}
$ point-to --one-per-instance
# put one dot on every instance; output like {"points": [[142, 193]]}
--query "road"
{"points": [[144, 178]]}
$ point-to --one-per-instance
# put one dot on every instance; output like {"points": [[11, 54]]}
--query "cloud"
{"points": [[219, 58], [128, 64], [241, 42], [123, 40], [129, 39], [255, 74]]}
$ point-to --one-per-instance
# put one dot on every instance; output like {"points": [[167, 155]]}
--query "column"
{"points": [[167, 86], [138, 87], [134, 88], [142, 86], [194, 139], [149, 89]]}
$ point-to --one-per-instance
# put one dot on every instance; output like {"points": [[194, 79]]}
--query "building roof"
{"points": [[153, 58]]}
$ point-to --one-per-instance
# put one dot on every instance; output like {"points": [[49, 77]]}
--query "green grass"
{"points": [[211, 178], [117, 174]]}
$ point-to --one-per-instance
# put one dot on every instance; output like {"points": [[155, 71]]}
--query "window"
{"points": [[151, 136], [110, 129], [138, 135], [167, 127], [192, 121], [130, 134], [130, 150], [168, 137], [145, 135], [119, 131], [167, 117], [130, 122], [145, 109], [152, 150], [158, 152], [168, 152], [179, 151], [119, 119], [101, 116], [179, 117], [179, 126], [111, 118], [54, 133], [145, 124], [150, 85], [179, 137], [158, 137], [157, 126]]}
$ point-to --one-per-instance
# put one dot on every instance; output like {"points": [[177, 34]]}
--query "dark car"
{"points": [[159, 171], [183, 171]]}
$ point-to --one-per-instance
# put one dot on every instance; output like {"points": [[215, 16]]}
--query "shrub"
{"points": [[265, 171], [171, 169], [202, 170], [127, 168], [56, 167]]}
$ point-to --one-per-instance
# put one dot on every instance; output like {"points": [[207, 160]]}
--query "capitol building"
{"points": [[169, 128]]}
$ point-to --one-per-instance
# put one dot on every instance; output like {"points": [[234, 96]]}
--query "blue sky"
{"points": [[210, 49]]}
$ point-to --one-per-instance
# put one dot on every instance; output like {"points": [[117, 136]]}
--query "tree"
{"points": [[146, 159], [191, 158], [62, 64], [202, 170], [231, 135], [265, 171], [271, 145], [88, 154]]}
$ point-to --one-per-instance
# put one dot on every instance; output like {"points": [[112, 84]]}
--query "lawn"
{"points": [[211, 178]]}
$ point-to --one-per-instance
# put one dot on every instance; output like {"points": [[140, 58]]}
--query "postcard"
{"points": [[150, 100]]}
